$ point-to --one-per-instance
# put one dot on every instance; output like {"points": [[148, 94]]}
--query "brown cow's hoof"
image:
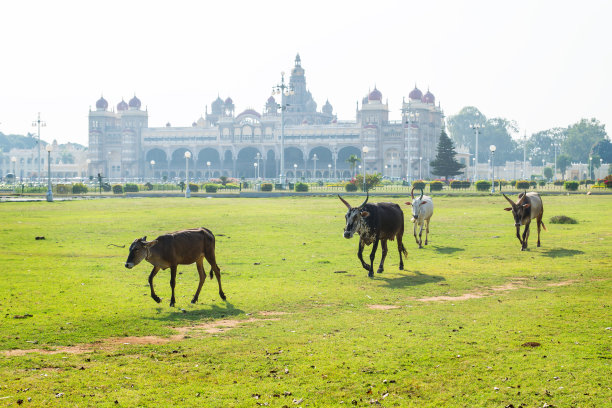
{"points": [[222, 295], [157, 299], [193, 301]]}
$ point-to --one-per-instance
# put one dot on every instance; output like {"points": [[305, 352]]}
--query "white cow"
{"points": [[422, 210]]}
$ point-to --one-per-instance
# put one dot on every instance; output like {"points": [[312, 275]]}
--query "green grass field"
{"points": [[303, 325]]}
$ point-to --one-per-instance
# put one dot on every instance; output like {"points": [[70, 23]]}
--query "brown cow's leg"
{"points": [[381, 268], [210, 257], [151, 276], [360, 255], [525, 237], [372, 256], [172, 283], [202, 274]]}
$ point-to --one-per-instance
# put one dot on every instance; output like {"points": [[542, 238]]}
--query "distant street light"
{"points": [[38, 123], [420, 173], [49, 190], [208, 165], [88, 161], [295, 173], [492, 148], [14, 160], [153, 168], [329, 170], [187, 157], [474, 165], [256, 170], [314, 159], [284, 90], [477, 131]]}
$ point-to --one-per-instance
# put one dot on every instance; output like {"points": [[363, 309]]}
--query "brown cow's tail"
{"points": [[543, 226]]}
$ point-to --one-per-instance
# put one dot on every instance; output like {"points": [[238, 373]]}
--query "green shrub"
{"points": [[562, 219], [79, 188], [302, 187], [148, 186], [106, 187], [456, 184], [436, 186], [558, 182], [194, 188], [350, 187], [131, 188], [63, 188], [483, 185], [245, 184], [211, 188], [571, 185], [278, 186], [117, 189], [466, 184], [589, 182], [266, 187], [522, 184], [418, 185], [533, 183], [542, 183]]}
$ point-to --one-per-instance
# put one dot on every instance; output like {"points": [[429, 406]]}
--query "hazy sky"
{"points": [[541, 63]]}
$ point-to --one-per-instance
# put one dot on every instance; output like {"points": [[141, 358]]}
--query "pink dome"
{"points": [[415, 94], [135, 103], [429, 97], [228, 101], [101, 103], [122, 106], [375, 95]]}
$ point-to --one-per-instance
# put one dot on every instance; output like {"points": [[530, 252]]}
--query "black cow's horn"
{"points": [[509, 200], [344, 201], [366, 200], [522, 198], [421, 194], [412, 192]]}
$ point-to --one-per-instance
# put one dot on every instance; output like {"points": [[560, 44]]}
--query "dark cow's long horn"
{"points": [[509, 200], [522, 198], [366, 200], [421, 194], [344, 201], [412, 192]]}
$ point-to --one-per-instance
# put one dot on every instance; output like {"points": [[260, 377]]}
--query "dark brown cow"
{"points": [[528, 207], [173, 249]]}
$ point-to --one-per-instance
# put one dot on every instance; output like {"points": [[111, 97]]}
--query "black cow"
{"points": [[528, 207], [373, 223]]}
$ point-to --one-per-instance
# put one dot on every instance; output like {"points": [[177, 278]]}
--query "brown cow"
{"points": [[528, 207], [173, 249]]}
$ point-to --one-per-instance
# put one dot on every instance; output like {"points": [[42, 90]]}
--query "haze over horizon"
{"points": [[543, 64]]}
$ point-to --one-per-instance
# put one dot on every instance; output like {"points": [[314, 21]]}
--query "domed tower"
{"points": [[429, 98], [101, 104], [415, 94], [134, 103], [122, 106], [228, 107], [327, 108], [217, 106], [375, 96], [271, 106]]}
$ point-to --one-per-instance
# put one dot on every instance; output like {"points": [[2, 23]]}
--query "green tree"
{"points": [[372, 180], [459, 126], [352, 161], [595, 163], [603, 149], [540, 145], [548, 173], [563, 162], [445, 163], [582, 137]]}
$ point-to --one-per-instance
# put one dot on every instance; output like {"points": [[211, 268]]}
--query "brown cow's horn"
{"points": [[421, 194], [344, 201], [366, 200], [522, 198], [412, 192], [509, 200]]}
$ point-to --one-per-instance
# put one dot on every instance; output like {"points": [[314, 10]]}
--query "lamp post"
{"points": [[590, 167], [49, 190], [39, 123], [208, 166], [365, 151], [476, 127], [153, 169], [88, 161], [187, 157], [543, 166], [600, 164], [284, 90], [492, 148], [474, 165], [524, 175], [314, 172], [256, 170], [258, 157], [329, 169], [413, 117], [294, 173], [555, 145], [420, 173], [14, 160]]}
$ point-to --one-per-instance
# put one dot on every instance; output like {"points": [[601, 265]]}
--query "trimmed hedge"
{"points": [[483, 185], [522, 184], [117, 189], [301, 187], [148, 186], [542, 183], [558, 182], [194, 188], [130, 188], [571, 185], [419, 184], [79, 188], [436, 186], [266, 187], [456, 184], [211, 188], [350, 187]]}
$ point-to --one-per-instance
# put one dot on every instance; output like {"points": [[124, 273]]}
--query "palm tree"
{"points": [[352, 161]]}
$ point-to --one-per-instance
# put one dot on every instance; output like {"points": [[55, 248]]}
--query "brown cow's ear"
{"points": [[365, 214], [423, 202], [150, 244], [408, 203], [508, 208], [526, 205]]}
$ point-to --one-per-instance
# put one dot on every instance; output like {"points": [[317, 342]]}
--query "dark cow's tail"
{"points": [[213, 247], [543, 226], [404, 250]]}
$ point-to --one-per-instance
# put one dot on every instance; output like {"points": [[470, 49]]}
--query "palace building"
{"points": [[223, 142]]}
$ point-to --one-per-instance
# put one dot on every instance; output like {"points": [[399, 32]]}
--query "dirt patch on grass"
{"points": [[515, 283], [465, 296], [272, 313], [113, 343], [563, 283], [383, 307]]}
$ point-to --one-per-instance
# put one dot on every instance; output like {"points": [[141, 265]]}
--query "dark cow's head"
{"points": [[138, 251], [353, 216], [520, 209]]}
